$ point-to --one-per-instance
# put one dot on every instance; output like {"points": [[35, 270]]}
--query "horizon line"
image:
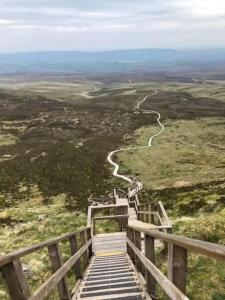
{"points": [[113, 50]]}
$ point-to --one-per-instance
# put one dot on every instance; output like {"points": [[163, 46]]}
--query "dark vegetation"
{"points": [[62, 146]]}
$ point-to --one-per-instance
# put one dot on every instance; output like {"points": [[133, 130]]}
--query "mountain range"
{"points": [[119, 61]]}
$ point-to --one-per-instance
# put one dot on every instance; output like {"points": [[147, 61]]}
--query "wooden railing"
{"points": [[175, 284], [154, 214], [12, 270], [132, 196], [122, 220], [118, 210]]}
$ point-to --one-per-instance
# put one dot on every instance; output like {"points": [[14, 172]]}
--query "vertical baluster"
{"points": [[177, 266], [137, 238], [132, 256], [83, 242], [125, 221], [74, 249], [147, 215], [88, 238], [15, 280], [150, 254], [128, 237], [150, 215], [56, 261]]}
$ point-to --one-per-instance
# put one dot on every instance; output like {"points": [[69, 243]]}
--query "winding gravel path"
{"points": [[149, 144]]}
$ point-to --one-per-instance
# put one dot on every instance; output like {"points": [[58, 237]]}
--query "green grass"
{"points": [[7, 139], [32, 222], [186, 153], [185, 169]]}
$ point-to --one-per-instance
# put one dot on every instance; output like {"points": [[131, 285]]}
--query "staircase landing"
{"points": [[109, 243]]}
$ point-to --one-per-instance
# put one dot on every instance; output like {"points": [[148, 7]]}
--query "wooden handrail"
{"points": [[123, 221], [171, 290], [120, 209], [165, 216], [201, 247], [178, 247], [13, 274], [111, 217], [146, 210], [4, 259], [51, 283]]}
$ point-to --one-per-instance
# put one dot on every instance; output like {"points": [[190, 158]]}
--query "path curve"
{"points": [[112, 153]]}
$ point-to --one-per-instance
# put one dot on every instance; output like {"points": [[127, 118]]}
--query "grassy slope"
{"points": [[181, 163], [32, 222], [189, 151], [185, 168]]}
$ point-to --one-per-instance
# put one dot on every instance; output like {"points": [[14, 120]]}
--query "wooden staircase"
{"points": [[119, 265], [110, 277]]}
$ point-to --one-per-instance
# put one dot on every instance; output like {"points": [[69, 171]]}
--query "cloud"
{"points": [[129, 23], [5, 22], [203, 8]]}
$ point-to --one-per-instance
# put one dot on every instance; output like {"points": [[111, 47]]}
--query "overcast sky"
{"points": [[33, 25]]}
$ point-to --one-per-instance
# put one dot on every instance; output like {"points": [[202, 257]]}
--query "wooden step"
{"points": [[109, 285], [110, 291], [129, 277], [127, 296], [110, 277]]}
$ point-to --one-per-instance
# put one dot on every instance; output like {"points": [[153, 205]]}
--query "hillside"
{"points": [[54, 140]]}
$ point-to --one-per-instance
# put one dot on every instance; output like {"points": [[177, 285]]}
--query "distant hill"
{"points": [[120, 61]]}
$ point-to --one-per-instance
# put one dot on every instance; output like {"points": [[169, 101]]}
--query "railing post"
{"points": [[93, 226], [177, 266], [150, 254], [125, 221], [83, 242], [88, 238], [74, 249], [150, 216], [138, 216], [132, 256], [147, 215], [15, 280], [137, 237], [119, 212], [56, 261], [128, 231]]}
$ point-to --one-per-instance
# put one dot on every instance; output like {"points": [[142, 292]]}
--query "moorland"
{"points": [[56, 132]]}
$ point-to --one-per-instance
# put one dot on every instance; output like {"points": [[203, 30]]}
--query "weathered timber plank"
{"points": [[4, 259], [74, 249], [83, 242], [56, 261], [51, 283], [150, 254], [137, 241], [201, 247], [178, 267], [171, 290], [15, 280]]}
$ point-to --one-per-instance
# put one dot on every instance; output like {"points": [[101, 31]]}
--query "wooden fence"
{"points": [[118, 210], [121, 219], [175, 284], [154, 214], [16, 282]]}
